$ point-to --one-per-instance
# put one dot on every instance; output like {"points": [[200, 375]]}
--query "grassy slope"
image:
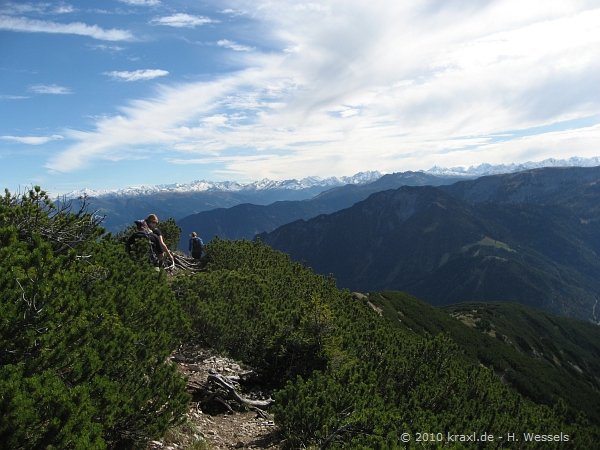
{"points": [[542, 356]]}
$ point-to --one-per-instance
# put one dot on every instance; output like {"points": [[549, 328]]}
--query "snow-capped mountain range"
{"points": [[309, 182], [489, 169], [232, 186]]}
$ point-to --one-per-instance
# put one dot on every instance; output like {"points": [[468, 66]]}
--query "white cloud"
{"points": [[312, 7], [555, 144], [36, 8], [107, 48], [233, 12], [234, 46], [52, 89], [181, 20], [377, 85], [141, 2], [32, 140], [159, 121], [63, 9], [21, 24], [137, 75], [12, 97]]}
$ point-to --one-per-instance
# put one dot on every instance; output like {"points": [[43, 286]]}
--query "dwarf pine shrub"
{"points": [[84, 334]]}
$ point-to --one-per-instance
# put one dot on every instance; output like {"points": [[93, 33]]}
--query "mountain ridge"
{"points": [[244, 221], [311, 181], [496, 169], [444, 248], [178, 200], [229, 186]]}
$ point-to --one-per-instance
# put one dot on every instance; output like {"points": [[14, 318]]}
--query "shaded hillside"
{"points": [[544, 357], [343, 196], [443, 249], [572, 187], [122, 210], [571, 192], [247, 220]]}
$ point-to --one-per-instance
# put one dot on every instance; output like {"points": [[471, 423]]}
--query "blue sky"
{"points": [[110, 94]]}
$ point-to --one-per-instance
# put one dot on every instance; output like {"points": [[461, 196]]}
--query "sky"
{"points": [[103, 95]]}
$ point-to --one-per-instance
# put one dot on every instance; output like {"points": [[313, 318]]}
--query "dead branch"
{"points": [[187, 264], [226, 384]]}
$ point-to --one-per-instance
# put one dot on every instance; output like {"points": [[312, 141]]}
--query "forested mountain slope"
{"points": [[435, 244], [572, 187], [544, 357]]}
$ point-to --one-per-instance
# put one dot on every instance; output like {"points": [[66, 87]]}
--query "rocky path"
{"points": [[215, 425]]}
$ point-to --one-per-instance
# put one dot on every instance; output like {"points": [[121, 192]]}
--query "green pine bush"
{"points": [[345, 377], [85, 332], [266, 312], [171, 233]]}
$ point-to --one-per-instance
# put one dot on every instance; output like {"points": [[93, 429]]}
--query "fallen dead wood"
{"points": [[217, 389], [186, 263], [228, 386]]}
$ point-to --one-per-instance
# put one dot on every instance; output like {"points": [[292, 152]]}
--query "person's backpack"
{"points": [[196, 245], [142, 236]]}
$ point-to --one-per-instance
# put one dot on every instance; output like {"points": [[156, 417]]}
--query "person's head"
{"points": [[152, 220], [140, 225], [194, 234]]}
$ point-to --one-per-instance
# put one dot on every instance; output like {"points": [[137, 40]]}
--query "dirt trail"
{"points": [[217, 428]]}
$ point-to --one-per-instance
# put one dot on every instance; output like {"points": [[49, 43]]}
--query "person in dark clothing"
{"points": [[195, 246], [159, 244], [143, 232]]}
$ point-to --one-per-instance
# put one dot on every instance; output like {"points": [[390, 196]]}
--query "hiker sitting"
{"points": [[195, 246], [160, 247]]}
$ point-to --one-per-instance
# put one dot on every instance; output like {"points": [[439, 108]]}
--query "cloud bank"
{"points": [[354, 85]]}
